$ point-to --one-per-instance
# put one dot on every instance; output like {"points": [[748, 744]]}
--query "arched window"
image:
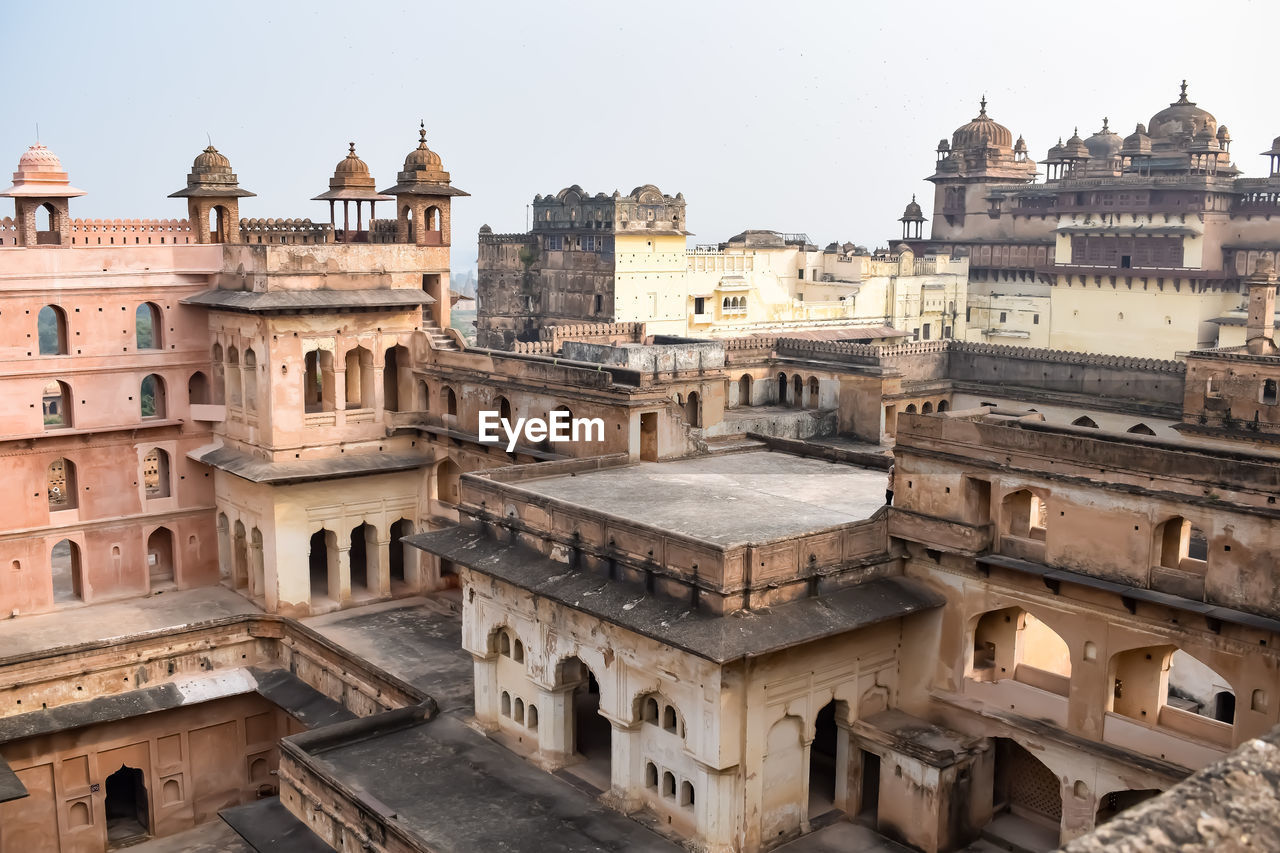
{"points": [[926, 408], [1182, 545], [693, 410], [250, 381], [517, 652], [56, 404], [517, 711], [668, 784], [359, 391], [1025, 515], [813, 392], [450, 407], [911, 409], [1012, 643], [783, 387], [504, 408], [152, 401], [506, 704], [318, 381], [686, 794], [1085, 421], [1269, 392], [669, 719], [744, 390], [61, 485], [219, 376], [234, 391], [64, 564], [155, 474], [395, 362], [198, 389], [943, 405], [51, 329], [1166, 687], [649, 710], [531, 717], [447, 474], [650, 775], [504, 644], [148, 324]]}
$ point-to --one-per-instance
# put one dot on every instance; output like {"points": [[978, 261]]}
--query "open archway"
{"points": [[125, 806], [1029, 793], [401, 556], [447, 490], [160, 557], [64, 564], [51, 330], [592, 734], [322, 564], [744, 390], [1013, 644]]}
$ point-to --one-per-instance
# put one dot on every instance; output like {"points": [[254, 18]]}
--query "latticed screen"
{"points": [[1033, 786]]}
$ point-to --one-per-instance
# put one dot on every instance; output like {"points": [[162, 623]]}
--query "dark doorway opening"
{"points": [[649, 437], [822, 763], [592, 733], [359, 559], [870, 805], [126, 807]]}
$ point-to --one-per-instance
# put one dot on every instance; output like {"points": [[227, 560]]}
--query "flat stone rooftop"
{"points": [[728, 500]]}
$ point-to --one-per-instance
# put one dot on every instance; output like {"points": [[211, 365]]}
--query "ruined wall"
{"points": [[194, 761]]}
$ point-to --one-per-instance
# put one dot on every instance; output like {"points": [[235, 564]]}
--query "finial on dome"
{"points": [[1105, 128], [982, 105], [1183, 97], [351, 148], [913, 197], [422, 132]]}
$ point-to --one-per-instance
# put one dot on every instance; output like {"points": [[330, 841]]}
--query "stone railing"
{"points": [[1122, 362], [287, 231], [113, 232], [593, 333], [8, 231], [533, 347]]}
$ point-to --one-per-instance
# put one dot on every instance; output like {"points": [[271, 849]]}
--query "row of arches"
{"points": [[794, 391], [1177, 542], [362, 575], [62, 484], [522, 714], [1138, 428], [319, 381], [234, 383], [1014, 644], [57, 401], [240, 556], [53, 333], [928, 407]]}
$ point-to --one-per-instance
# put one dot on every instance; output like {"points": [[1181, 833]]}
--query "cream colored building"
{"points": [[762, 281]]}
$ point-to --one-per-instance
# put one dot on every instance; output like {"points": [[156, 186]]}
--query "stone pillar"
{"points": [[555, 725], [804, 786], [844, 746], [626, 773], [1078, 813], [383, 568], [716, 827], [486, 692], [340, 576]]}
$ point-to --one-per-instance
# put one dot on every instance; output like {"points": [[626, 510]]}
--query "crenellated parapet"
{"points": [[611, 333], [1118, 362], [533, 347], [286, 231], [113, 232]]}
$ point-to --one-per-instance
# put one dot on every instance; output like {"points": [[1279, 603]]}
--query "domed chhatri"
{"points": [[351, 181], [422, 193], [912, 211], [423, 172], [981, 132], [1105, 144], [1177, 122], [40, 175], [912, 220], [211, 176]]}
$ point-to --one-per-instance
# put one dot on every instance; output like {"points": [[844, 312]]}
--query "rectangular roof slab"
{"points": [[729, 500]]}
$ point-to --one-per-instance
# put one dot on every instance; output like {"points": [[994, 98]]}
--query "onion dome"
{"points": [[1137, 144], [1180, 119], [351, 181], [423, 173], [211, 177], [913, 213], [485, 229], [40, 175], [1074, 148], [1105, 144], [981, 132]]}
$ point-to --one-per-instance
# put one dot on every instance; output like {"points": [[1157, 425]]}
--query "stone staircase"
{"points": [[440, 339]]}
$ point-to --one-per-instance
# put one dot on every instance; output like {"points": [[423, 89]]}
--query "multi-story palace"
{"points": [[702, 623], [1133, 245]]}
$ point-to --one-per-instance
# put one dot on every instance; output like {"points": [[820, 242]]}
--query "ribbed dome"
{"points": [[39, 157], [209, 159], [981, 131], [913, 211], [1181, 119], [351, 164], [1075, 148], [1104, 144], [422, 158]]}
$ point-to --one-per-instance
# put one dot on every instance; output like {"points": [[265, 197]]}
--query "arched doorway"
{"points": [[744, 390], [64, 561], [397, 358], [363, 560], [783, 776], [1029, 793], [257, 566], [126, 807], [592, 734], [815, 392], [160, 556], [399, 554], [240, 556], [693, 409], [797, 392], [322, 560], [822, 762], [782, 389]]}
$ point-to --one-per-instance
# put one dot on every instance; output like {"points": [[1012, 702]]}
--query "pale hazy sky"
{"points": [[795, 116]]}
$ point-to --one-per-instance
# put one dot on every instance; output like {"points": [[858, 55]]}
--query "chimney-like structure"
{"points": [[1261, 337]]}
